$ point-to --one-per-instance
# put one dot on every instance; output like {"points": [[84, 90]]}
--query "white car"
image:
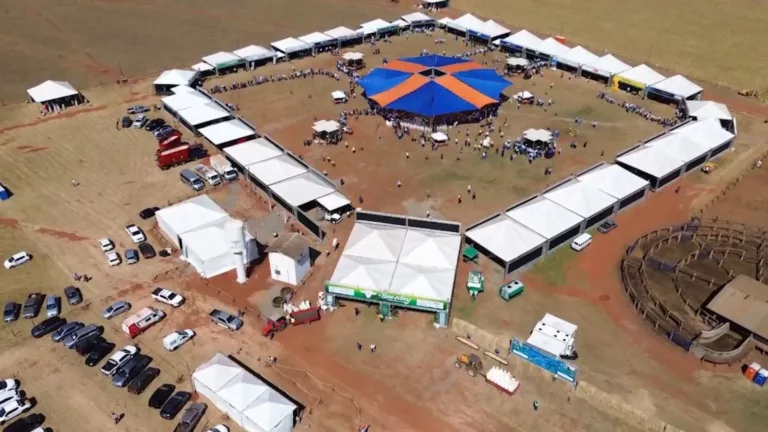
{"points": [[7, 395], [113, 258], [333, 218], [9, 384], [17, 260], [137, 235], [13, 408], [106, 245], [118, 359], [178, 338], [219, 428], [168, 297]]}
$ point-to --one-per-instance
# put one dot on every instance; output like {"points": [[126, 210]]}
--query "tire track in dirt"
{"points": [[63, 115]]}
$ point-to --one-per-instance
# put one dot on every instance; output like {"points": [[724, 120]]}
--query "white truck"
{"points": [[221, 165], [208, 175]]}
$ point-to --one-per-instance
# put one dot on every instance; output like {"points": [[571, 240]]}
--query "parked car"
{"points": [[17, 259], [219, 428], [86, 332], [32, 305], [9, 384], [161, 395], [48, 326], [66, 330], [131, 256], [30, 423], [143, 380], [147, 251], [106, 245], [226, 319], [130, 370], [154, 124], [167, 296], [135, 233], [607, 226], [8, 395], [98, 353], [138, 109], [178, 338], [174, 405], [126, 122], [86, 345], [118, 359], [162, 132], [11, 312], [74, 295], [333, 218], [113, 258], [148, 213], [140, 121], [115, 309], [52, 306], [191, 417], [14, 408]]}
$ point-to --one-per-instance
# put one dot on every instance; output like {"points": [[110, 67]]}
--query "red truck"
{"points": [[173, 140], [179, 155], [277, 323]]}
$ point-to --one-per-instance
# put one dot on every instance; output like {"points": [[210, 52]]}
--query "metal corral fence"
{"points": [[727, 188]]}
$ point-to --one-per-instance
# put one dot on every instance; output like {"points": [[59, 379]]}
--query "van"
{"points": [[87, 331], [192, 179], [581, 242]]}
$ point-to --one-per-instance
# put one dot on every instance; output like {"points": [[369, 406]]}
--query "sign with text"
{"points": [[377, 296]]}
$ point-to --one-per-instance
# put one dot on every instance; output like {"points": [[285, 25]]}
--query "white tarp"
{"points": [[703, 110], [252, 152], [430, 249], [51, 90], [614, 180], [678, 86], [194, 213], [184, 100], [344, 33], [363, 273], [423, 282], [202, 67], [204, 113], [338, 95], [417, 18], [439, 137], [254, 53], [380, 242], [581, 198], [642, 74], [317, 38], [518, 61], [277, 169], [225, 132], [523, 39], [349, 56], [551, 47], [290, 45], [537, 135], [655, 161], [302, 189], [545, 217], [177, 77], [333, 201], [222, 59], [576, 57], [606, 66], [505, 238]]}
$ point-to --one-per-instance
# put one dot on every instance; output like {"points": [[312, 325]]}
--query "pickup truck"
{"points": [[136, 234], [226, 319], [167, 296], [32, 305]]}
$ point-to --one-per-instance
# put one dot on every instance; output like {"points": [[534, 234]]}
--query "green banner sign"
{"points": [[376, 296]]}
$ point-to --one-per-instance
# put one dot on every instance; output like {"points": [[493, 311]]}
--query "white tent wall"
{"points": [[218, 402]]}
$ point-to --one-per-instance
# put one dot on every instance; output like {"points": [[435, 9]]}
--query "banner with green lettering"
{"points": [[377, 296]]}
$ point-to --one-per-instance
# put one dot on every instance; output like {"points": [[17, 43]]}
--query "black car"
{"points": [[11, 312], [74, 295], [32, 305], [161, 395], [163, 132], [66, 330], [98, 353], [147, 251], [86, 345], [130, 370], [48, 326], [154, 124], [174, 405], [26, 424], [149, 212], [607, 226], [143, 380], [126, 122]]}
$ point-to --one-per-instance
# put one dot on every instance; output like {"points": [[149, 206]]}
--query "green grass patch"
{"points": [[553, 268], [465, 312]]}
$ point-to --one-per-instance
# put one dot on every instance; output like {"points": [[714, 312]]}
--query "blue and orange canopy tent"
{"points": [[433, 85]]}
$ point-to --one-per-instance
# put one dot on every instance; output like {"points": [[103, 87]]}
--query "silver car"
{"points": [[52, 306], [91, 330], [115, 309], [66, 330]]}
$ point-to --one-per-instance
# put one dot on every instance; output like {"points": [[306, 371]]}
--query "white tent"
{"points": [[51, 90], [208, 250], [254, 53], [214, 374], [423, 282], [545, 217], [317, 39], [400, 23], [184, 100], [492, 29], [432, 249], [518, 61], [525, 94], [655, 161], [343, 33], [276, 169], [417, 18], [338, 95], [641, 76], [291, 45], [222, 59], [349, 56], [443, 22], [326, 126], [681, 146], [271, 412], [703, 110], [576, 57], [180, 89], [177, 77], [581, 198], [252, 152], [333, 201], [551, 47], [439, 137], [202, 67], [467, 21], [225, 132], [678, 86], [240, 391], [363, 273], [198, 212], [204, 113], [614, 180], [606, 66], [380, 242], [523, 39], [302, 189], [505, 238], [374, 26], [707, 132], [537, 135]]}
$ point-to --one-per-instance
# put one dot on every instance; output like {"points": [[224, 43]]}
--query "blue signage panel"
{"points": [[558, 367], [478, 34]]}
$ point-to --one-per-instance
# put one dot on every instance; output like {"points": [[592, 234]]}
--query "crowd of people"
{"points": [[260, 80], [631, 108]]}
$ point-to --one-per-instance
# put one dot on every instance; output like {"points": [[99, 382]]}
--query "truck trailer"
{"points": [[207, 174], [221, 165], [182, 154], [171, 141]]}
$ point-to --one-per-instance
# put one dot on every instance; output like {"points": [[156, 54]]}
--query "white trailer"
{"points": [[221, 165], [208, 175]]}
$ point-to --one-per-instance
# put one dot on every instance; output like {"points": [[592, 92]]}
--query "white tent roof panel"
{"points": [[421, 282], [277, 169], [224, 132], [417, 18], [375, 25], [537, 134], [192, 214], [469, 21], [242, 390], [202, 67], [606, 66], [254, 52], [179, 89], [655, 161], [706, 131], [217, 372], [333, 201], [342, 33], [208, 244], [577, 56], [430, 249], [380, 242], [316, 38], [545, 217], [707, 109], [614, 180], [270, 410], [289, 45], [643, 75], [302, 189], [51, 90], [176, 77], [581, 198], [551, 47], [524, 39], [221, 58], [363, 273], [505, 238], [184, 100], [678, 85], [200, 114], [400, 23], [493, 29], [445, 21], [252, 152], [681, 146]]}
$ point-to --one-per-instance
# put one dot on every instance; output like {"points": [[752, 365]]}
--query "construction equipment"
{"points": [[475, 283], [709, 167], [471, 362]]}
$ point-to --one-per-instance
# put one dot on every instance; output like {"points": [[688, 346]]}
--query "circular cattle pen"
{"points": [[674, 277]]}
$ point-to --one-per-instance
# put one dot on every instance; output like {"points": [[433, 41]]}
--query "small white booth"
{"points": [[55, 95], [555, 336], [339, 97], [439, 138], [289, 259], [524, 97]]}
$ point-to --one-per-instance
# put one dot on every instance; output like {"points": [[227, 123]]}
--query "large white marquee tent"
{"points": [[616, 182], [705, 110], [576, 57], [551, 221], [675, 88], [55, 92], [639, 77], [590, 203], [303, 189], [522, 40], [505, 241], [276, 169], [606, 67], [175, 77], [253, 151], [227, 132], [550, 47]]}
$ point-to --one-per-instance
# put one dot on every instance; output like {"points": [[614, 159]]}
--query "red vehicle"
{"points": [[278, 323], [179, 155], [173, 140], [139, 322]]}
